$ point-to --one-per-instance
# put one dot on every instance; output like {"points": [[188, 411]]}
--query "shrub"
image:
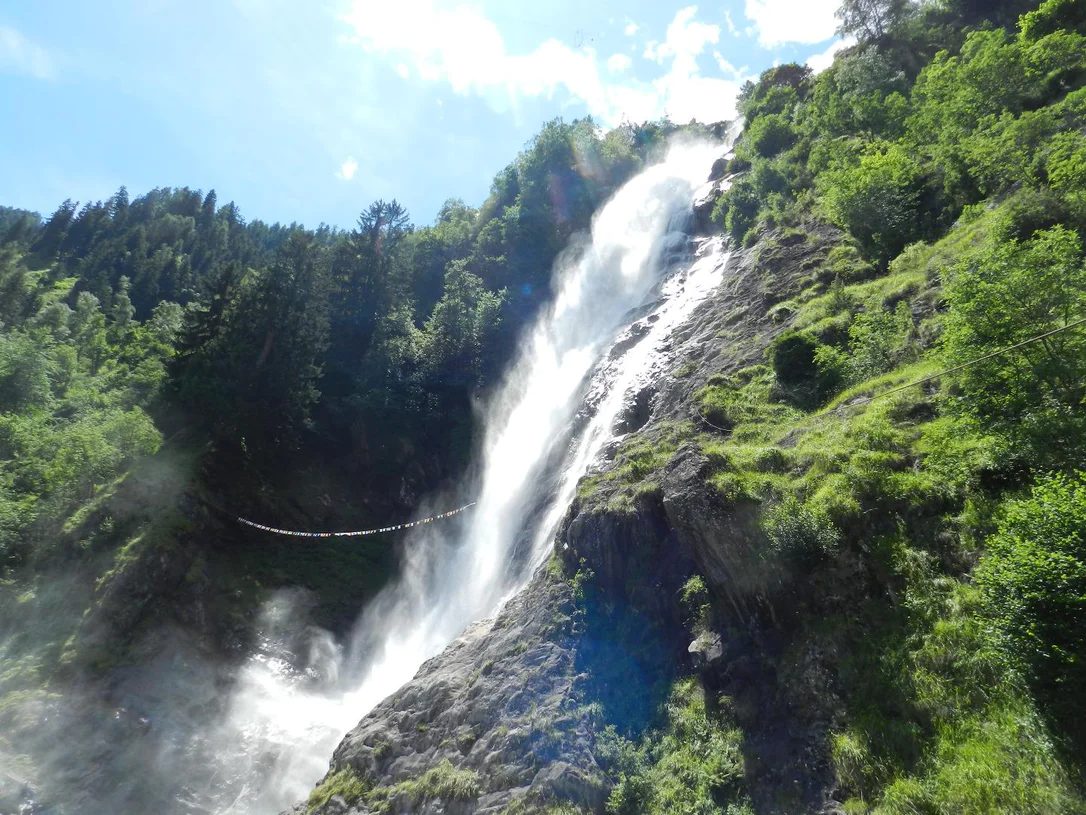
{"points": [[694, 598], [769, 135], [1067, 163], [799, 533], [1054, 16], [1034, 579], [695, 765], [768, 178], [1004, 294], [878, 200], [878, 340], [1030, 212], [794, 358], [739, 207], [801, 368]]}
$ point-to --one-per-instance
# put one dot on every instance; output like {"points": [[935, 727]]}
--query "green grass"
{"points": [[637, 467], [824, 310], [443, 782], [935, 720], [345, 783], [692, 763]]}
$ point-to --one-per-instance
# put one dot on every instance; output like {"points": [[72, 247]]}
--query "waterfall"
{"points": [[455, 575]]}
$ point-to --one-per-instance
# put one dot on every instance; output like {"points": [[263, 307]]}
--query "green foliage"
{"points": [[1052, 17], [257, 377], [638, 464], [446, 783], [880, 200], [1004, 294], [1034, 579], [17, 225], [879, 340], [695, 601], [775, 92], [893, 145], [871, 19], [442, 782], [74, 386], [800, 534], [737, 209], [345, 783], [693, 765], [769, 135], [802, 366], [460, 328]]}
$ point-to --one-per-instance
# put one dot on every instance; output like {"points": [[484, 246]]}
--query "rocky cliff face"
{"points": [[514, 716]]}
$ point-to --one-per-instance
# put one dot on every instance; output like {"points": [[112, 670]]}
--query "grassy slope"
{"points": [[931, 715]]}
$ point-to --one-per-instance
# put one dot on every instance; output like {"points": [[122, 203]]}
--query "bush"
{"points": [[768, 178], [739, 207], [1007, 293], [1034, 579], [1067, 163], [1030, 212], [695, 601], [769, 135], [800, 534], [802, 369], [794, 358], [878, 340], [879, 200], [24, 372], [695, 765], [1054, 16]]}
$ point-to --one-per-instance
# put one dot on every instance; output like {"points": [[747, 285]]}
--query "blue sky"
{"points": [[307, 110]]}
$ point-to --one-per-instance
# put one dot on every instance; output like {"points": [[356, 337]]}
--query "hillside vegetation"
{"points": [[927, 542]]}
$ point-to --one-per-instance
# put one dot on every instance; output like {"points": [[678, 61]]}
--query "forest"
{"points": [[945, 153], [129, 320]]}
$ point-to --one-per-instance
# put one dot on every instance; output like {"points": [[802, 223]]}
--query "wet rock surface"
{"points": [[503, 702]]}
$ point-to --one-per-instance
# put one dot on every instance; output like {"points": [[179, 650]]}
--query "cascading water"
{"points": [[292, 702], [451, 580]]}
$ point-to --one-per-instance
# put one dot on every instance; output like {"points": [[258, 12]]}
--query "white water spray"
{"points": [[283, 730]]}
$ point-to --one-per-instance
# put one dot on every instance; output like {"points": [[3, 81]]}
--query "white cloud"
{"points": [[732, 29], [738, 74], [18, 55], [460, 46], [802, 21], [632, 28], [618, 63], [686, 39], [820, 62], [403, 70], [347, 169]]}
